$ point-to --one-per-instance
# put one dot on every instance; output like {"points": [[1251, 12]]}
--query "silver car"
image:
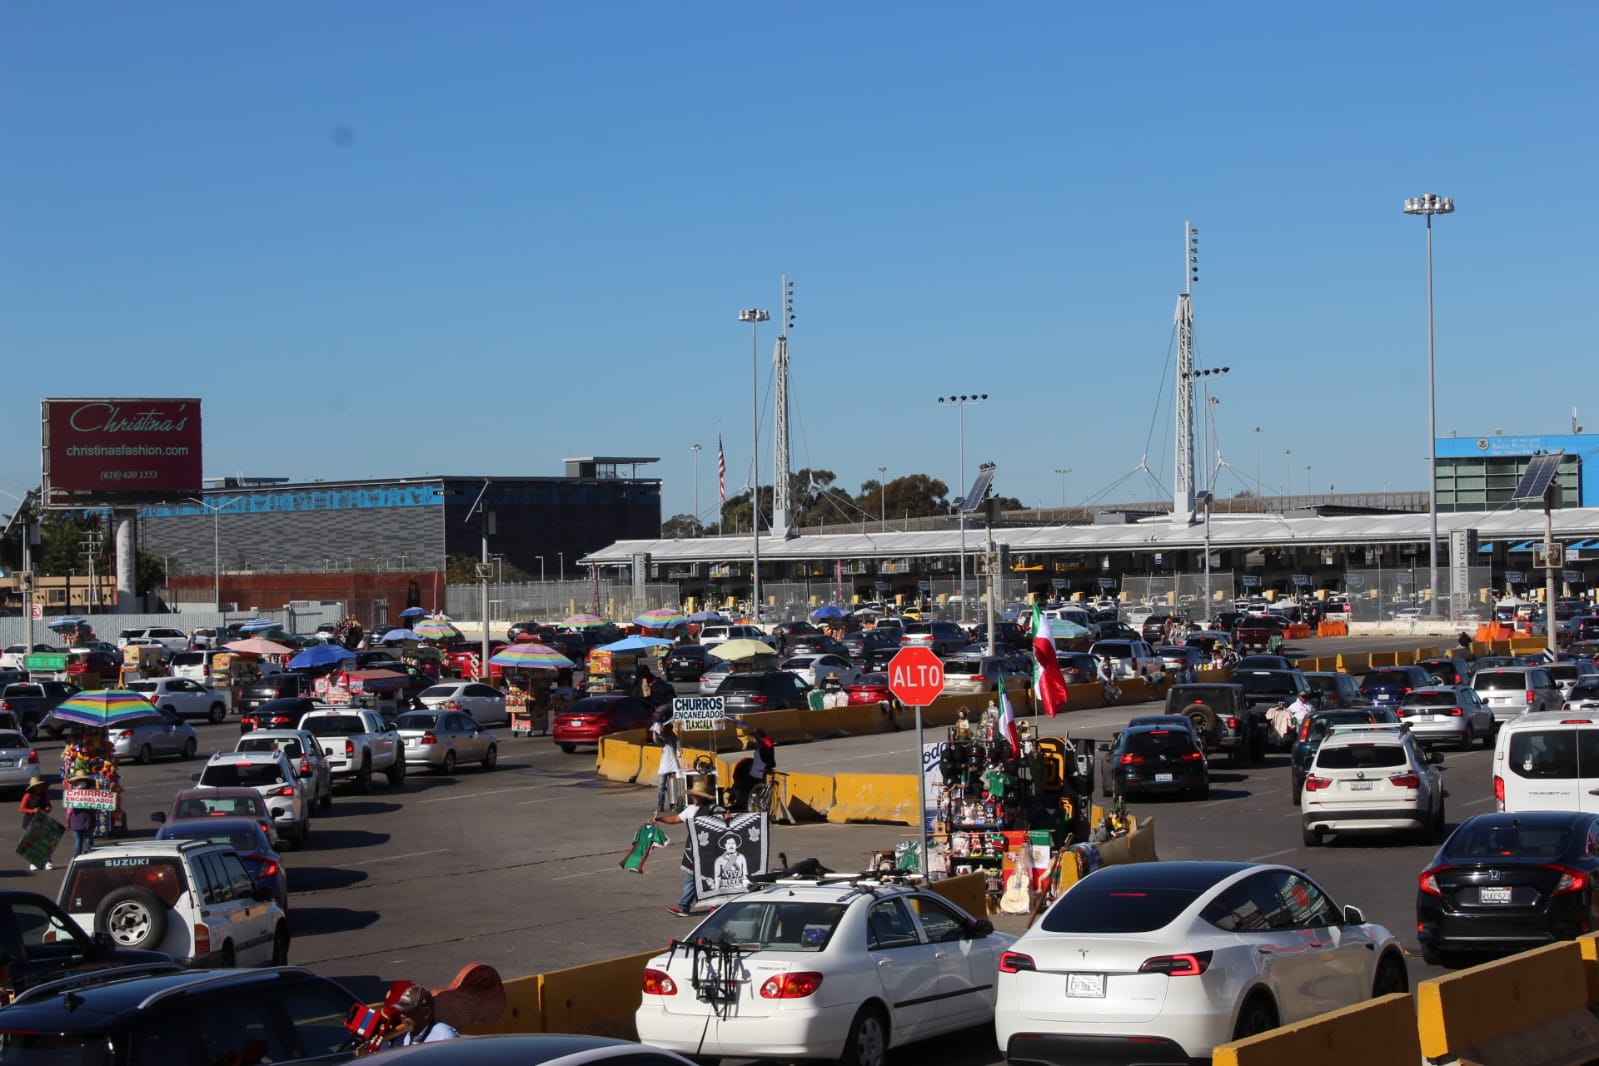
{"points": [[142, 741], [303, 753], [1447, 714], [972, 674], [18, 760], [441, 740]]}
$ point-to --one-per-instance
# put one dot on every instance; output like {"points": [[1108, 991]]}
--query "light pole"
{"points": [[755, 316], [1288, 471], [166, 567], [560, 566], [960, 403], [695, 448], [1257, 462], [1428, 205], [882, 499], [541, 568], [1308, 489], [216, 542], [1063, 471]]}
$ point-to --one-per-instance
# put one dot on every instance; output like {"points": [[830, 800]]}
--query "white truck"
{"points": [[185, 697], [357, 743]]}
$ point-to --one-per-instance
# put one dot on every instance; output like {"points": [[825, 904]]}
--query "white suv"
{"points": [[720, 634], [171, 639], [288, 795], [184, 697], [192, 899], [1129, 658], [1372, 778]]}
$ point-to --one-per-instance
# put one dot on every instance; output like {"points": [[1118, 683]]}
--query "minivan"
{"points": [[1547, 762], [1515, 690]]}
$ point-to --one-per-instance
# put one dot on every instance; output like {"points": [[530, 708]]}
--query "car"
{"points": [[871, 689], [529, 1049], [1333, 688], [1182, 659], [441, 739], [1447, 714], [1494, 662], [829, 970], [878, 658], [166, 734], [1222, 719], [1128, 658], [815, 669], [201, 803], [785, 632], [245, 836], [14, 655], [538, 632], [1547, 762], [713, 677], [191, 899], [1567, 674], [1446, 671], [1515, 690], [1262, 632], [287, 795], [712, 635], [282, 713], [1269, 687], [1078, 667], [1508, 882], [19, 761], [971, 674], [1372, 779], [943, 638], [769, 690], [1387, 685], [1007, 635], [281, 1015], [300, 747], [190, 699], [1337, 609], [860, 644], [816, 644], [687, 662], [593, 717], [1162, 961], [42, 943], [1157, 759], [32, 701], [484, 704], [169, 638], [1314, 729], [1263, 662], [87, 665], [1584, 696], [273, 687], [1408, 614]]}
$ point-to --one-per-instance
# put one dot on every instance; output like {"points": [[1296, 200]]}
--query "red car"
{"points": [[195, 804], [590, 719], [462, 659], [870, 689]]}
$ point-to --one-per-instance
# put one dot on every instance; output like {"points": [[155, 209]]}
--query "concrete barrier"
{"points": [[1528, 1008], [889, 798], [808, 796], [1384, 658], [1379, 1032], [599, 999], [1354, 664], [619, 758]]}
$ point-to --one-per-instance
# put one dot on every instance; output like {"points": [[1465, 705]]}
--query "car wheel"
{"points": [[396, 773], [867, 1043], [280, 945], [219, 713], [491, 758], [569, 748], [144, 755], [363, 778], [1294, 787], [448, 766], [302, 838], [189, 748], [1203, 791], [1470, 739], [133, 917], [230, 958], [1391, 977], [1258, 1016], [1439, 957], [327, 799], [1310, 837]]}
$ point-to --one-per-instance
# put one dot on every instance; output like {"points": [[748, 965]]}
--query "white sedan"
{"points": [[821, 970], [485, 703], [1169, 959], [815, 669]]}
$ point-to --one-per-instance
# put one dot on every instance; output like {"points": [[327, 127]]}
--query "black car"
{"points": [[1078, 667], [531, 1049], [1263, 662], [1154, 627], [1267, 687], [879, 658], [861, 643], [1113, 630], [537, 631], [1158, 759], [1227, 621], [1006, 635], [784, 632], [273, 687], [45, 944], [815, 644], [1335, 689], [278, 1014], [1163, 721], [284, 713], [773, 690], [1508, 882], [687, 662], [1447, 671]]}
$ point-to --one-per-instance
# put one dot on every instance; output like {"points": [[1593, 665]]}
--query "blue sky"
{"points": [[391, 239]]}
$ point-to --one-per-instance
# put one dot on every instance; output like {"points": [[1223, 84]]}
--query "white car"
{"points": [[827, 969], [712, 679], [288, 795], [1584, 696], [1162, 961], [171, 639], [15, 655], [305, 755], [1372, 778], [485, 703], [720, 634], [814, 669], [1129, 658], [184, 697]]}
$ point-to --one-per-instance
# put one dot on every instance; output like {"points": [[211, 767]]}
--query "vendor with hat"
{"points": [[700, 799], [82, 820], [417, 1021], [35, 801]]}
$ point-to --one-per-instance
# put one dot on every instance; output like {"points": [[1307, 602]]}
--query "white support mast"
{"points": [[781, 509], [1182, 502]]}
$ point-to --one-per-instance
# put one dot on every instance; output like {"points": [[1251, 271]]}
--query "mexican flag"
{"points": [[1049, 684]]}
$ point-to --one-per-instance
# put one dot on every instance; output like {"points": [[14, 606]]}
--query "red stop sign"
{"points": [[916, 676]]}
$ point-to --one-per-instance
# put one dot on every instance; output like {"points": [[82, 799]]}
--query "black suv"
{"points": [[277, 714], [1268, 687], [687, 662], [45, 944], [280, 1014], [273, 687], [1222, 717], [774, 690]]}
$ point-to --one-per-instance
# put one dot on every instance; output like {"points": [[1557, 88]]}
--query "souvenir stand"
{"points": [[599, 673], [89, 755], [528, 671]]}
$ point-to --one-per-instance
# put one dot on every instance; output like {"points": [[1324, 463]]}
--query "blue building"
{"points": [[1480, 473]]}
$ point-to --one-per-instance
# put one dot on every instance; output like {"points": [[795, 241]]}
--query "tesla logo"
{"points": [[1083, 952]]}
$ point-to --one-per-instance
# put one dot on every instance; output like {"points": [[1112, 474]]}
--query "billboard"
{"points": [[114, 451]]}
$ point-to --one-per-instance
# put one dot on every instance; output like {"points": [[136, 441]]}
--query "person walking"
{"points": [[82, 821], [698, 800], [671, 764], [35, 801]]}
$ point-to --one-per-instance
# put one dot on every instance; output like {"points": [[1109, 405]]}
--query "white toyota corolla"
{"points": [[1162, 961]]}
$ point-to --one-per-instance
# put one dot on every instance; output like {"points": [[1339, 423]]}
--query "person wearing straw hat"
{"points": [[82, 820], [35, 801], [700, 797]]}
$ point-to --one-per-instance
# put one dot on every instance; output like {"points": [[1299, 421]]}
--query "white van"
{"points": [[1548, 762]]}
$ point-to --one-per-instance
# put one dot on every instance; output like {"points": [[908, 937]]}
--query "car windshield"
{"points": [[335, 725], [1115, 651], [1430, 699], [876, 680], [742, 683], [1501, 681], [25, 1047], [1360, 757], [141, 686], [1125, 908], [243, 841], [416, 720], [1491, 838], [241, 774], [10, 739], [90, 882], [963, 666], [289, 746], [1563, 671], [1585, 690], [1386, 677], [773, 925], [1159, 742], [439, 692], [1265, 682]]}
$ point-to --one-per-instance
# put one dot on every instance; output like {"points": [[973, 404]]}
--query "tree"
{"points": [[915, 495], [682, 526], [65, 538], [461, 570]]}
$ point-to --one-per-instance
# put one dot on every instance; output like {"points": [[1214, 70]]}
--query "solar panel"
{"points": [[974, 499], [1540, 474]]}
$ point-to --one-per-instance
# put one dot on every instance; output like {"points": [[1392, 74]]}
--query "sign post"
{"points": [[916, 677]]}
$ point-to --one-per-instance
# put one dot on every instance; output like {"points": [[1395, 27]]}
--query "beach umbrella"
{"points": [[259, 625], [258, 646], [321, 655], [581, 621], [1070, 630], [413, 612], [714, 617], [531, 657], [396, 635], [661, 618], [436, 629], [635, 643], [827, 612], [737, 650], [67, 621], [103, 708]]}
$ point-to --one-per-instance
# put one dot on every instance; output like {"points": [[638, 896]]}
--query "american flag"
{"points": [[721, 469]]}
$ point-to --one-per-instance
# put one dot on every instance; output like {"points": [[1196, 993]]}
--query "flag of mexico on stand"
{"points": [[1049, 684]]}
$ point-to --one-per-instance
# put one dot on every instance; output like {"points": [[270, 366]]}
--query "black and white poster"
{"points": [[727, 853]]}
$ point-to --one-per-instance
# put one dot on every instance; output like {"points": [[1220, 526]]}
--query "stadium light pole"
{"points": [[755, 316], [1063, 471], [882, 499], [695, 448], [216, 544], [1428, 205], [960, 403]]}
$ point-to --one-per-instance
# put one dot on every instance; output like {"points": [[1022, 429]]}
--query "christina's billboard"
{"points": [[119, 450]]}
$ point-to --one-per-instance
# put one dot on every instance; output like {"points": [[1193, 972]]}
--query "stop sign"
{"points": [[916, 676]]}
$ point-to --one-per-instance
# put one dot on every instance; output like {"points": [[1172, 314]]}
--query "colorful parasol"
{"points": [[103, 708], [661, 618], [531, 657], [259, 646], [440, 628], [581, 621], [636, 643]]}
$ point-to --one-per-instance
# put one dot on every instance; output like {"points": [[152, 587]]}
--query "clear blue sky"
{"points": [[389, 239]]}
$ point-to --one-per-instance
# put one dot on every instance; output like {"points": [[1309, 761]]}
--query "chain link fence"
{"points": [[1186, 591]]}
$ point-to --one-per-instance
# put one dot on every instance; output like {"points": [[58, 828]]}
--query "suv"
{"points": [[687, 662], [1386, 686], [44, 943], [273, 687], [944, 638], [303, 753], [286, 791], [1445, 671], [171, 639], [281, 1015], [1275, 686], [1314, 729], [184, 697], [1516, 690], [193, 899], [1567, 674], [279, 714], [978, 673], [721, 634], [774, 690], [1336, 688], [1372, 779], [1222, 719], [1129, 658]]}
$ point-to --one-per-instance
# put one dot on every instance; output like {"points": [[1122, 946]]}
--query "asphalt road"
{"points": [[518, 867]]}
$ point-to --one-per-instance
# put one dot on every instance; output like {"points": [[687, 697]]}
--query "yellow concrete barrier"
{"points": [[1523, 645], [522, 1013], [1384, 658], [808, 795], [969, 892], [1085, 696], [1589, 946], [1354, 664], [864, 719], [887, 798], [619, 758], [598, 999], [1508, 1006], [1378, 1032]]}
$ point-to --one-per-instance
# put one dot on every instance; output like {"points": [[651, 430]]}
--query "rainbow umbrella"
{"points": [[103, 708], [436, 629], [661, 618], [531, 657], [581, 621]]}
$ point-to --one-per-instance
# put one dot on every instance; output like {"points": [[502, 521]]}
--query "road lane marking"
{"points": [[478, 795], [1479, 802], [1270, 855], [585, 873], [391, 858]]}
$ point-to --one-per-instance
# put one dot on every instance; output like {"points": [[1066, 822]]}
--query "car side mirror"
{"points": [[1353, 916], [159, 817], [1104, 749], [1435, 757], [982, 927], [194, 777]]}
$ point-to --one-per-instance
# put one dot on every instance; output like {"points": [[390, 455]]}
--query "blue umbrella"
{"points": [[401, 634], [67, 621], [258, 625], [635, 644], [707, 616], [321, 655], [827, 612], [413, 612]]}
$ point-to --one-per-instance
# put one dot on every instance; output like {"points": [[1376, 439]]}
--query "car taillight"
{"points": [[1304, 729], [1190, 965], [1428, 881], [429, 738], [305, 767], [33, 758], [1531, 695], [791, 985], [1564, 706], [124, 734], [1410, 780], [1403, 712], [268, 868], [1015, 962], [4, 706], [659, 983], [1570, 880], [1576, 721], [349, 749], [1405, 689], [1316, 784], [1192, 756], [1499, 793], [1232, 723], [286, 790], [1456, 712], [757, 698], [202, 939], [1128, 760]]}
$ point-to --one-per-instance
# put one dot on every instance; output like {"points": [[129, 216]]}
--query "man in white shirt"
{"points": [[1299, 709], [418, 1023]]}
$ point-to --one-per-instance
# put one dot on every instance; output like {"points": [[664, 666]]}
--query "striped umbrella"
{"points": [[661, 618], [436, 629], [531, 657], [102, 708], [581, 621]]}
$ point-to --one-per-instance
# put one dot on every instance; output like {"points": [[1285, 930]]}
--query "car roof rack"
{"points": [[1345, 728]]}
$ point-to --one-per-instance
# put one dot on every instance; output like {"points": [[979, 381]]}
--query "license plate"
{"points": [[1085, 985], [1361, 786], [410, 742], [1163, 777], [1493, 895]]}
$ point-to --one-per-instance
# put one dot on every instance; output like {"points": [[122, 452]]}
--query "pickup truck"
{"points": [[1222, 717], [1259, 633], [357, 742], [185, 698], [32, 701]]}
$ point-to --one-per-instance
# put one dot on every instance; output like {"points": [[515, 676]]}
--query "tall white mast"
{"points": [[1182, 502], [780, 473]]}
